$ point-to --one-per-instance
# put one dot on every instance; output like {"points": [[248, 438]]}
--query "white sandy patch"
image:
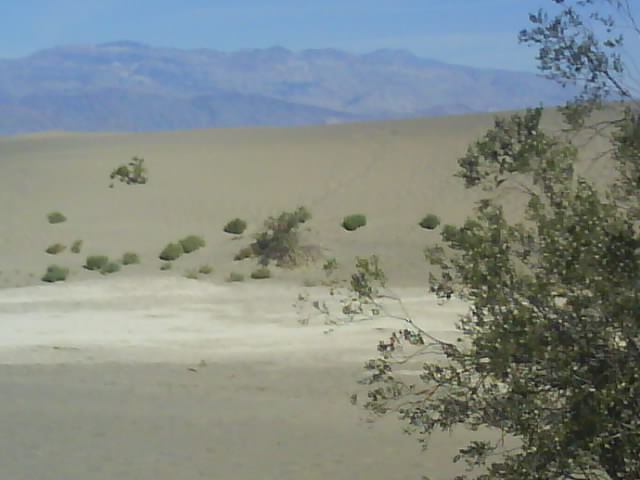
{"points": [[155, 319]]}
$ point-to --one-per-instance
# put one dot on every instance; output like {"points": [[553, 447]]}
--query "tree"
{"points": [[549, 350]]}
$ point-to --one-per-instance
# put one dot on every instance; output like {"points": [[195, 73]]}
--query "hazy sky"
{"points": [[471, 32]]}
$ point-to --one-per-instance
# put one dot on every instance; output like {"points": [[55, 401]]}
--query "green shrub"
{"points": [[353, 222], [246, 252], [55, 249], [55, 273], [76, 246], [205, 270], [191, 275], [302, 214], [135, 173], [172, 251], [237, 226], [110, 267], [96, 262], [430, 222], [261, 273], [56, 217], [235, 277], [130, 258], [192, 243], [165, 266]]}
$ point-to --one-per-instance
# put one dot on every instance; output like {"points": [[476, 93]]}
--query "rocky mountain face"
{"points": [[130, 86]]}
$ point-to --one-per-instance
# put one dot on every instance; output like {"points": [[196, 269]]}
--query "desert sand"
{"points": [[145, 374]]}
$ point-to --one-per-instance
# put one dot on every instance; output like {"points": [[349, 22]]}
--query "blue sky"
{"points": [[471, 32]]}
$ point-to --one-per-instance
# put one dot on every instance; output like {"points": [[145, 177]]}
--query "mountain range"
{"points": [[132, 87]]}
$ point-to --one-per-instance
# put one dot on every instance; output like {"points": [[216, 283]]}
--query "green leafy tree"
{"points": [[549, 349]]}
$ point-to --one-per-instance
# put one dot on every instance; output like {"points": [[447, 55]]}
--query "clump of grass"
{"points": [[192, 243], [76, 246], [56, 217], [237, 226], [353, 222], [191, 275], [235, 277], [205, 269], [130, 258], [110, 267], [165, 266], [55, 249], [261, 273], [172, 251], [55, 273], [96, 262], [430, 221]]}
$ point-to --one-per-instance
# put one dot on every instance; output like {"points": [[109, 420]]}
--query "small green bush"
{"points": [[235, 277], [130, 258], [191, 275], [237, 226], [166, 266], [261, 273], [55, 273], [430, 222], [172, 251], [96, 262], [192, 243], [56, 217], [110, 267], [353, 222], [76, 246], [135, 173], [55, 249], [205, 270]]}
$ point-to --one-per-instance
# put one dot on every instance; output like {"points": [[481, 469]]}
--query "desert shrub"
{"points": [[191, 275], [279, 241], [172, 251], [261, 273], [110, 267], [246, 252], [96, 262], [55, 249], [430, 221], [192, 243], [205, 269], [237, 226], [130, 258], [76, 246], [235, 277], [56, 217], [134, 173], [353, 222], [55, 273], [165, 266]]}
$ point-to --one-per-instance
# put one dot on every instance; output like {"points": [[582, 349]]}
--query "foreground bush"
{"points": [[55, 249], [192, 243], [261, 273], [56, 217], [172, 251], [55, 273], [110, 267], [130, 258], [353, 222], [430, 222], [237, 226], [96, 262]]}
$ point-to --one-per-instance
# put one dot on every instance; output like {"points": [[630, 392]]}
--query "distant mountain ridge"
{"points": [[131, 86]]}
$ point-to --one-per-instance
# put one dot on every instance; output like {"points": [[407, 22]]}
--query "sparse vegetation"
{"points": [[110, 267], [134, 173], [261, 273], [235, 277], [96, 262], [171, 252], [205, 269], [237, 226], [55, 273], [192, 243], [55, 249], [164, 266], [353, 222], [130, 258], [246, 252], [56, 217], [191, 275], [76, 246], [430, 221]]}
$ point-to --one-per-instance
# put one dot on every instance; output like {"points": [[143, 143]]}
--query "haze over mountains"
{"points": [[133, 87]]}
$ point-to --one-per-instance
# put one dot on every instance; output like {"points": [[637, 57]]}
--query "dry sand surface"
{"points": [[148, 375]]}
